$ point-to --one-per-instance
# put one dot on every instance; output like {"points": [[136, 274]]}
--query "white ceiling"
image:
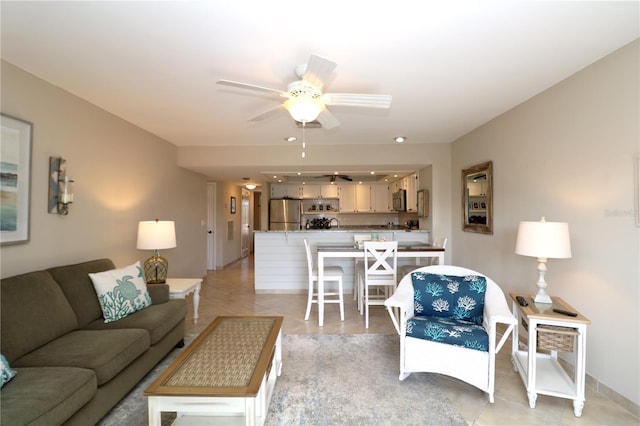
{"points": [[449, 65]]}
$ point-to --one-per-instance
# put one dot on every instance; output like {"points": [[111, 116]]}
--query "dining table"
{"points": [[406, 249]]}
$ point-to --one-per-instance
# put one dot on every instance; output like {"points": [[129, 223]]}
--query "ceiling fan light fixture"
{"points": [[250, 186], [304, 108]]}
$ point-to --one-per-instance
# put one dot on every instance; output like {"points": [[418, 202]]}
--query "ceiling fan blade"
{"points": [[327, 119], [252, 87], [318, 71], [357, 100], [268, 113]]}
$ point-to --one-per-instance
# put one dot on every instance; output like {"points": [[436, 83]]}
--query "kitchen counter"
{"points": [[280, 260]]}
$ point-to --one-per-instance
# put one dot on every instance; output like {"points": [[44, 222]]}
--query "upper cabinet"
{"points": [[354, 198], [380, 198], [320, 191], [286, 190], [410, 185]]}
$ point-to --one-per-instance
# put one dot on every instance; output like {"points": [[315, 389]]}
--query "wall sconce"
{"points": [[60, 186]]}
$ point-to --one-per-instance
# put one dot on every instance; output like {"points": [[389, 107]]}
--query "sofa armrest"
{"points": [[159, 293]]}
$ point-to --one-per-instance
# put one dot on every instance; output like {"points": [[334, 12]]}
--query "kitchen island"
{"points": [[281, 264]]}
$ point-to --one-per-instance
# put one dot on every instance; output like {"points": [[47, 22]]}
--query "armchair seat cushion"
{"points": [[450, 330]]}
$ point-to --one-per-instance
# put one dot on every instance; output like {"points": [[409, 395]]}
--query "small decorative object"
{"points": [[543, 240], [156, 235], [60, 186], [233, 205], [15, 177]]}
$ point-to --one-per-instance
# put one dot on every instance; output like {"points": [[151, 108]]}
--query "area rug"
{"points": [[328, 380]]}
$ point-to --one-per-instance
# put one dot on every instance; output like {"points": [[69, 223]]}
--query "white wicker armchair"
{"points": [[472, 366]]}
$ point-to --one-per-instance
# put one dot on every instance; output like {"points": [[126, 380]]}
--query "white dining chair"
{"points": [[358, 240], [331, 274], [380, 273], [406, 269]]}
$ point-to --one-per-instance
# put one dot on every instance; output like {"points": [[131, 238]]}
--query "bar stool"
{"points": [[331, 273]]}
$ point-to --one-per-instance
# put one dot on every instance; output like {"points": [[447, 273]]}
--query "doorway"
{"points": [[245, 212], [211, 220]]}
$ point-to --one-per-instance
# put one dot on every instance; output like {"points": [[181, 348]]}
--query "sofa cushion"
{"points": [[158, 320], [43, 396], [33, 312], [449, 296], [6, 372], [121, 291], [106, 352], [77, 287], [451, 331]]}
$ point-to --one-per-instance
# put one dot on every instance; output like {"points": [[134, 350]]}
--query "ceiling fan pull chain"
{"points": [[304, 143]]}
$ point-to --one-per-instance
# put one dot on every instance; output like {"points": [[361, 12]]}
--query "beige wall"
{"points": [[123, 175], [568, 154]]}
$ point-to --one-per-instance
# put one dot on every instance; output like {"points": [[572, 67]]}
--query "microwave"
{"points": [[400, 200]]}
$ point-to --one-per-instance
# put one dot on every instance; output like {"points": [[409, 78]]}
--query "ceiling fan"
{"points": [[332, 178], [305, 100]]}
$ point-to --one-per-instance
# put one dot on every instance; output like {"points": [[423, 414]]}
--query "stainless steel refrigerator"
{"points": [[284, 214]]}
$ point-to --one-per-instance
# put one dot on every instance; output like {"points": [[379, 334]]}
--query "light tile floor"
{"points": [[230, 292]]}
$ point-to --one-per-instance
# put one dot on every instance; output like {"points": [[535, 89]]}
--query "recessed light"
{"points": [[291, 139], [373, 173], [400, 139]]}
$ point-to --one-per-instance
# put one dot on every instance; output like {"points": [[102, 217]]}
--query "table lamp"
{"points": [[543, 240], [156, 235]]}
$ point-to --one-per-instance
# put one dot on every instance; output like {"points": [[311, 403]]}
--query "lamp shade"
{"points": [[156, 235], [304, 108], [543, 240]]}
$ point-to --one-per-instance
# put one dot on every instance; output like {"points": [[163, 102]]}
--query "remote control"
{"points": [[521, 301], [563, 312]]}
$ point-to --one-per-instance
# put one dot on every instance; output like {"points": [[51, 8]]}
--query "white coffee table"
{"points": [[180, 287]]}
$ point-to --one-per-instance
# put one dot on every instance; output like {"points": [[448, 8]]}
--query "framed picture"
{"points": [[233, 205], [483, 205], [476, 205], [15, 180], [423, 203]]}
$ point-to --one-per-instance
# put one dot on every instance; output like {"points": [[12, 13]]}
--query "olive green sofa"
{"points": [[72, 367]]}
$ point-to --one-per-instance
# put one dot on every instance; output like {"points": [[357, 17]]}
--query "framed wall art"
{"points": [[233, 205], [15, 179]]}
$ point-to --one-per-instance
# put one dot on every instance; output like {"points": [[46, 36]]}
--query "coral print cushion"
{"points": [[449, 296], [6, 373], [121, 292]]}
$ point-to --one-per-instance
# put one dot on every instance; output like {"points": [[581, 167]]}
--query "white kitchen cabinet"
{"points": [[282, 190], [411, 184], [347, 195], [363, 198], [355, 198], [320, 191], [380, 198]]}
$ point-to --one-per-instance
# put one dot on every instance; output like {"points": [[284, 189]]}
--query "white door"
{"points": [[245, 238], [211, 220]]}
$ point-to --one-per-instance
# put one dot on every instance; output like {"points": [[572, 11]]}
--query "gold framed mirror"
{"points": [[477, 198]]}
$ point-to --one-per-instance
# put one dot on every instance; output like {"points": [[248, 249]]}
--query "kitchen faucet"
{"points": [[337, 223]]}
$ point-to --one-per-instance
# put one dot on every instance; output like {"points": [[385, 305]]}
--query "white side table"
{"points": [[541, 372], [180, 287]]}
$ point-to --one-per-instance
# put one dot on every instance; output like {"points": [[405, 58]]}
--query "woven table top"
{"points": [[225, 355]]}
